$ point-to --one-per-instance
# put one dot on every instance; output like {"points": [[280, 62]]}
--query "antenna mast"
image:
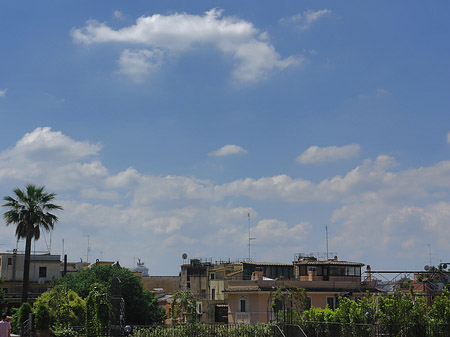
{"points": [[249, 239], [88, 249], [326, 232], [429, 251]]}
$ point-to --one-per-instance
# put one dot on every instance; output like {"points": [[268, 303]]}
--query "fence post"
{"points": [[31, 324]]}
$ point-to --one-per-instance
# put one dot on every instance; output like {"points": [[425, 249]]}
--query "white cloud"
{"points": [[382, 212], [228, 150], [306, 19], [318, 155], [3, 92], [118, 15], [177, 33], [53, 145], [94, 193], [50, 157], [139, 64], [272, 230]]}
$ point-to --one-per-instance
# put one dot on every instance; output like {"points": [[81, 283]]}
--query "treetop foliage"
{"points": [[140, 305]]}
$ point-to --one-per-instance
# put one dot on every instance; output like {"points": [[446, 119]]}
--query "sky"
{"points": [[161, 125]]}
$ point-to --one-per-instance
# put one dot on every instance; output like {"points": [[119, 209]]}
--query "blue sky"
{"points": [[162, 124]]}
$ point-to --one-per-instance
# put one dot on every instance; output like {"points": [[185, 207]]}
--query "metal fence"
{"points": [[209, 330], [305, 329], [331, 329]]}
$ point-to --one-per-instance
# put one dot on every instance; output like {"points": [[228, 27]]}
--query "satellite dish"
{"points": [[184, 256], [427, 267], [444, 266]]}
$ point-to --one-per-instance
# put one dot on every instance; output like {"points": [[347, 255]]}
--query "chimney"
{"points": [[369, 273], [257, 275]]}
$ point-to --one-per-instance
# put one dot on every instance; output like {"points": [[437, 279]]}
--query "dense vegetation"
{"points": [[140, 305]]}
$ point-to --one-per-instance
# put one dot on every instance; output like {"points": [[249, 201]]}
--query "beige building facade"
{"points": [[43, 269], [252, 301]]}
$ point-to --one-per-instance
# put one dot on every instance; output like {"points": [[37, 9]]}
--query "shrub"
{"points": [[42, 319]]}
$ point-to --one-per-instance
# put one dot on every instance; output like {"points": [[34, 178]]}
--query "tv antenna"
{"points": [[249, 239], [326, 232], [88, 249], [429, 252]]}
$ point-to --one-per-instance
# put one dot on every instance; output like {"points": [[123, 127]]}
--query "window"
{"points": [[42, 271], [9, 261], [279, 305], [212, 276], [242, 306], [213, 294], [308, 303], [203, 293], [199, 308], [317, 268], [337, 270], [330, 302]]}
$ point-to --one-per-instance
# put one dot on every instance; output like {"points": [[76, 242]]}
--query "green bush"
{"points": [[23, 313], [42, 319], [204, 330]]}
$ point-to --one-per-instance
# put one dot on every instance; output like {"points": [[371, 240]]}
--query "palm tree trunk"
{"points": [[26, 269]]}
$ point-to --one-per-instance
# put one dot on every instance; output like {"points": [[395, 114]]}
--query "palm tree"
{"points": [[29, 211]]}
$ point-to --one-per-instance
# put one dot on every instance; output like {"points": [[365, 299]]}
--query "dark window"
{"points": [[42, 271], [213, 294], [330, 302], [279, 305], [337, 270], [9, 261], [303, 270], [308, 303], [212, 276], [242, 306]]}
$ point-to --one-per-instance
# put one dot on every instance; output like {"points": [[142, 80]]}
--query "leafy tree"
{"points": [[3, 302], [23, 314], [402, 315], [65, 306], [359, 311], [140, 306], [42, 319], [288, 302], [182, 308], [439, 312], [29, 211], [98, 306]]}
